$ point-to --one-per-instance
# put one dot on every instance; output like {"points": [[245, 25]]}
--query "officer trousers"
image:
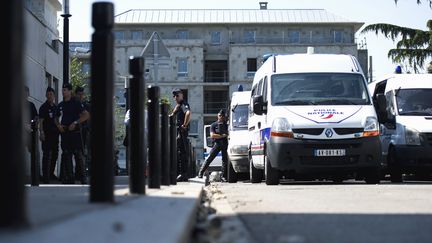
{"points": [[217, 147], [49, 155], [182, 152], [72, 146]]}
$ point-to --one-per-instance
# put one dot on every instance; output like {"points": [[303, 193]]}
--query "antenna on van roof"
{"points": [[274, 64]]}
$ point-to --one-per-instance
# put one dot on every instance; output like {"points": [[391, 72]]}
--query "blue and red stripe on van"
{"points": [[258, 149]]}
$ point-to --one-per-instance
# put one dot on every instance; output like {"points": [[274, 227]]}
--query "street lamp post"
{"points": [[66, 16]]}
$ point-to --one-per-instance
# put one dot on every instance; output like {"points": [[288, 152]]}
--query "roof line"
{"points": [[163, 9]]}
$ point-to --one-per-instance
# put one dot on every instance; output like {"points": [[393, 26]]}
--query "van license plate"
{"points": [[330, 152]]}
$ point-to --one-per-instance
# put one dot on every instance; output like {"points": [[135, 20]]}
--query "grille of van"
{"points": [[309, 131], [345, 131]]}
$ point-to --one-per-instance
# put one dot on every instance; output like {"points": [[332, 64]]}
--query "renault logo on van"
{"points": [[328, 132]]}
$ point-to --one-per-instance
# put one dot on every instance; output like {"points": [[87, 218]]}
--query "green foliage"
{"points": [[77, 76], [119, 126], [413, 46]]}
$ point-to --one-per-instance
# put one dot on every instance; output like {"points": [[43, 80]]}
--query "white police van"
{"points": [[406, 131], [238, 161], [311, 116]]}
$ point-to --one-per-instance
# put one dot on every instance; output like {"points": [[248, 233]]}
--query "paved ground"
{"points": [[62, 213], [325, 212]]}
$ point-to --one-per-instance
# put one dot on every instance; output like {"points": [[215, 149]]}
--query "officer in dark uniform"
{"points": [[219, 135], [183, 116], [73, 114], [85, 126], [49, 136]]}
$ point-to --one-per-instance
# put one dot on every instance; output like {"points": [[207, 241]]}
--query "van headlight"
{"points": [[281, 128], [239, 149], [412, 136], [371, 128]]}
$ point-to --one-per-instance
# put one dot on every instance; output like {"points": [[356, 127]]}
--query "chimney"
{"points": [[263, 5]]}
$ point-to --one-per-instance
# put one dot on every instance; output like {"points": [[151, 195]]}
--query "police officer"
{"points": [[183, 116], [85, 126], [73, 114], [49, 136], [219, 135]]}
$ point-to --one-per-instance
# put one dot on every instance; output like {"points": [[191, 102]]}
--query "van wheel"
{"points": [[232, 175], [373, 176], [271, 174], [394, 168], [256, 175]]}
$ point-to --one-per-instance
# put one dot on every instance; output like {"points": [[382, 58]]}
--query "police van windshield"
{"points": [[319, 89], [414, 102], [239, 117]]}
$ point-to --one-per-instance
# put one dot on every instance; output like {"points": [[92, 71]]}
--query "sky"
{"points": [[406, 13]]}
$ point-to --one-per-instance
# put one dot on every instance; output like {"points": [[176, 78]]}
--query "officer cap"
{"points": [[221, 112], [49, 89], [176, 91], [67, 86]]}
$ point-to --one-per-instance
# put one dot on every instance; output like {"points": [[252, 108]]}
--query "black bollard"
{"points": [[102, 137], [34, 158], [165, 149], [173, 150], [154, 138], [13, 203], [137, 127]]}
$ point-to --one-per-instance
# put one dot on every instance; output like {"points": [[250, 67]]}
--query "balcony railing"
{"points": [[292, 41], [213, 107], [216, 76]]}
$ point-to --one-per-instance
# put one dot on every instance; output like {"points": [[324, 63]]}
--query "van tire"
{"points": [[271, 174], [256, 175], [394, 168], [232, 175], [373, 176]]}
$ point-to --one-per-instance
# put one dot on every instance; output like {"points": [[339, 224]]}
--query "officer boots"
{"points": [[203, 168]]}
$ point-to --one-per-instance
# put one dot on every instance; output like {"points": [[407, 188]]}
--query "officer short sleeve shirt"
{"points": [[181, 113], [69, 111], [47, 112], [219, 128]]}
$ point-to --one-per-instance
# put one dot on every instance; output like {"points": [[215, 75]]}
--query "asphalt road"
{"points": [[325, 212]]}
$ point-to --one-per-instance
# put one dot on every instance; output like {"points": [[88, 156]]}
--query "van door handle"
{"points": [[259, 125]]}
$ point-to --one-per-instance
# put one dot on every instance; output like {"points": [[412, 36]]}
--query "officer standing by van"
{"points": [[219, 134], [49, 135], [73, 114], [183, 116]]}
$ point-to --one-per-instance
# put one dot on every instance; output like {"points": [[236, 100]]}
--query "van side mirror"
{"points": [[258, 104], [381, 108]]}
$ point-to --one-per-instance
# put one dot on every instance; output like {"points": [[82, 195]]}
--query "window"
{"points": [[182, 69], [249, 36], [136, 35], [338, 36], [119, 35], [264, 91], [182, 34], [251, 66], [294, 36], [216, 37]]}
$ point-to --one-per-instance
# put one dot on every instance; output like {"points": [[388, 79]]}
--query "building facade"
{"points": [[212, 52], [43, 51]]}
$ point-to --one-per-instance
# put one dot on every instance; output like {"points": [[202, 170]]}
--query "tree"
{"points": [[78, 76], [418, 2], [414, 45]]}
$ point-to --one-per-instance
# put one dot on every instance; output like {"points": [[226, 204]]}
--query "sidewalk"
{"points": [[62, 213]]}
